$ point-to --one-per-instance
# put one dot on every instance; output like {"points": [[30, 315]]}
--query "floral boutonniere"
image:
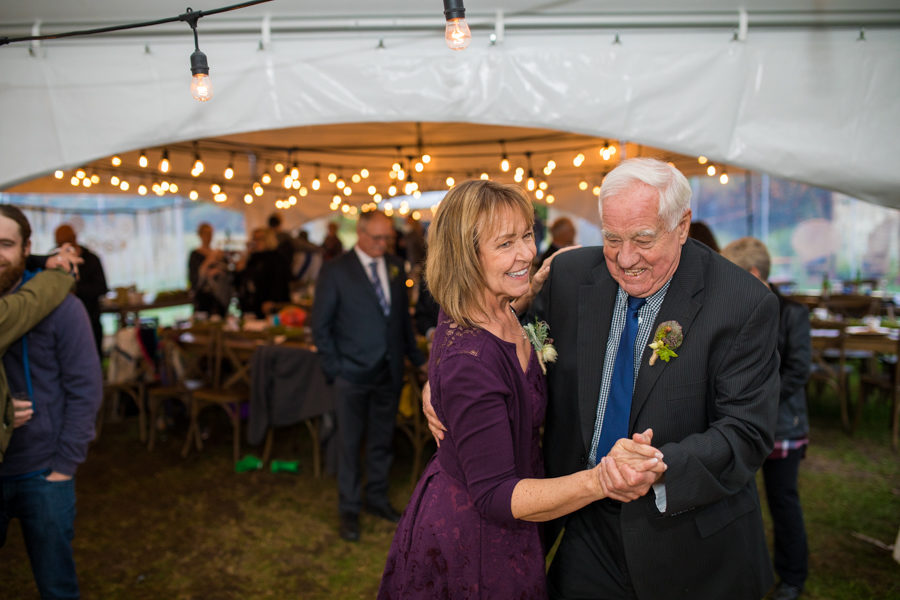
{"points": [[667, 339], [537, 334], [394, 271]]}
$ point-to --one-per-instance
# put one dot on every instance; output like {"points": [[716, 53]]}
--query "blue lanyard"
{"points": [[27, 368]]}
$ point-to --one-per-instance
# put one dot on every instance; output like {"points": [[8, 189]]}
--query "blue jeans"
{"points": [[46, 511]]}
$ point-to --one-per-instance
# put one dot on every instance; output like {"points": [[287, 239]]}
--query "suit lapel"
{"points": [[680, 305], [595, 306]]}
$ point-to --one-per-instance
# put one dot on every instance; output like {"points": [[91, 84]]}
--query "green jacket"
{"points": [[19, 312]]}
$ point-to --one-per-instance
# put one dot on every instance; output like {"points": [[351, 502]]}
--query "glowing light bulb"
{"points": [[364, 173], [201, 87], [457, 34], [484, 176], [258, 190], [295, 172], [164, 162], [124, 186], [582, 185], [193, 195], [248, 199], [58, 174], [80, 174], [332, 178], [142, 190], [711, 170], [419, 167], [74, 180], [114, 180], [215, 188], [392, 191], [578, 160], [316, 184], [531, 184], [356, 178], [723, 178], [198, 167], [551, 198], [340, 184], [279, 167], [229, 172], [372, 189], [143, 161], [266, 178], [504, 164], [702, 160], [116, 161]]}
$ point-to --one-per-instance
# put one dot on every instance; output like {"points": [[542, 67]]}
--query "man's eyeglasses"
{"points": [[381, 238]]}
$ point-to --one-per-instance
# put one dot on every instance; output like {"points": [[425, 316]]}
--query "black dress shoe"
{"points": [[786, 591], [349, 529], [385, 512]]}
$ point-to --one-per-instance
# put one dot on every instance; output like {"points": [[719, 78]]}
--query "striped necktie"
{"points": [[379, 291]]}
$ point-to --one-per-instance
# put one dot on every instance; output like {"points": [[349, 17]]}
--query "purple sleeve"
{"points": [[474, 408], [82, 382]]}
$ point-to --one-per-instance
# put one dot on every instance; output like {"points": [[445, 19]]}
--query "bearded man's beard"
{"points": [[11, 274]]}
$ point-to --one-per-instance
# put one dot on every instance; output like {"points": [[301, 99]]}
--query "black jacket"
{"points": [[796, 356]]}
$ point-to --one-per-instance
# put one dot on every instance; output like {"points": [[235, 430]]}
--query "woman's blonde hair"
{"points": [[453, 267]]}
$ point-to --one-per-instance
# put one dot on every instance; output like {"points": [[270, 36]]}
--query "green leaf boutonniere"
{"points": [[537, 333], [667, 339], [394, 271]]}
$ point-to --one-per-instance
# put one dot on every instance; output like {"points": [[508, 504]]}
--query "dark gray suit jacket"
{"points": [[712, 410], [352, 334]]}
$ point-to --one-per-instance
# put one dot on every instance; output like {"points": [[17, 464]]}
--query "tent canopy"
{"points": [[794, 89]]}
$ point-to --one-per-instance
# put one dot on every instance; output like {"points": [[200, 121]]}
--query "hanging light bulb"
{"points": [[723, 178], [201, 86], [426, 158], [143, 161], [229, 170], [124, 186], [711, 170], [58, 174], [450, 182], [266, 177], [198, 166], [116, 160], [702, 160], [578, 160], [504, 164], [193, 195], [80, 174], [316, 183], [456, 33], [164, 162], [295, 171]]}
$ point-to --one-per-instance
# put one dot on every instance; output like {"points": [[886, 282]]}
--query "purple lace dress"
{"points": [[458, 538]]}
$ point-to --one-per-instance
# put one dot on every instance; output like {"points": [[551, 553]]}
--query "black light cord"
{"points": [[191, 17]]}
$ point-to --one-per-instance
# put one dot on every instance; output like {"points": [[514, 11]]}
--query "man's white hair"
{"points": [[674, 189]]}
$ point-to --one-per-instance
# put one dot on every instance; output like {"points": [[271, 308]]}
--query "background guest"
{"points": [[562, 235], [91, 284], [208, 275], [332, 243], [263, 275], [701, 232], [791, 428], [362, 328], [62, 388]]}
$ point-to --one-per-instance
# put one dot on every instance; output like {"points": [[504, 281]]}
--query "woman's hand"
{"points": [[66, 259], [538, 279], [631, 467], [434, 425]]}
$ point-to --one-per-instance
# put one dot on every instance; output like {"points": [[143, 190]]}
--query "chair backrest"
{"points": [[852, 306], [235, 354]]}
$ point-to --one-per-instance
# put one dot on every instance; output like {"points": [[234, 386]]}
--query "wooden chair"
{"points": [[411, 421], [829, 363], [185, 354], [227, 386], [127, 374], [883, 376], [852, 306]]}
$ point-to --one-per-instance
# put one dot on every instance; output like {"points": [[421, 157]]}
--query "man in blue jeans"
{"points": [[55, 380]]}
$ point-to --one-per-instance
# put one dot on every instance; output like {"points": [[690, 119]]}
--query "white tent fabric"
{"points": [[814, 105]]}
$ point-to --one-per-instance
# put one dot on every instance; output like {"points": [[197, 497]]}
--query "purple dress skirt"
{"points": [[457, 537]]}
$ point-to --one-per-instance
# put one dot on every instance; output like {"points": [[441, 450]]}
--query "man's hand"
{"points": [[23, 412], [627, 472], [57, 476], [434, 425]]}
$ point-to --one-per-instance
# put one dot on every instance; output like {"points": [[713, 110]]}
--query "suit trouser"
{"points": [[590, 560], [791, 553], [364, 411]]}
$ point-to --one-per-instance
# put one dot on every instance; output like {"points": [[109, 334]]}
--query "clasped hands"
{"points": [[66, 258], [625, 474]]}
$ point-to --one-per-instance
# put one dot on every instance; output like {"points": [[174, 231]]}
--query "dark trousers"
{"points": [[791, 553], [46, 511], [590, 560], [364, 411]]}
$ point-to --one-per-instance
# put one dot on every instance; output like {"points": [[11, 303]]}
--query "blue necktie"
{"points": [[618, 402], [376, 281]]}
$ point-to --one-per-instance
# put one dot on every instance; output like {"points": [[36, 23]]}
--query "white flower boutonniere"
{"points": [[667, 339], [537, 333]]}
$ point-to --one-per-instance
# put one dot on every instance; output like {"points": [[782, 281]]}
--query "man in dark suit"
{"points": [[697, 530], [362, 328], [91, 285]]}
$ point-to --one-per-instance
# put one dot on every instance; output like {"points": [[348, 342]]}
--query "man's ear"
{"points": [[26, 250]]}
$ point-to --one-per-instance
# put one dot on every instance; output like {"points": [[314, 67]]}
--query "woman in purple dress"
{"points": [[470, 528]]}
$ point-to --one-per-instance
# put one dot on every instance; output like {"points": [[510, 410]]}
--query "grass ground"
{"points": [[154, 525]]}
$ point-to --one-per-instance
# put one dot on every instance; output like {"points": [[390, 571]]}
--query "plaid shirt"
{"points": [[646, 316], [783, 447]]}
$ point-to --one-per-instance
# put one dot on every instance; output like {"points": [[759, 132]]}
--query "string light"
{"points": [[229, 170], [164, 162], [116, 160], [711, 170], [456, 33], [143, 161]]}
